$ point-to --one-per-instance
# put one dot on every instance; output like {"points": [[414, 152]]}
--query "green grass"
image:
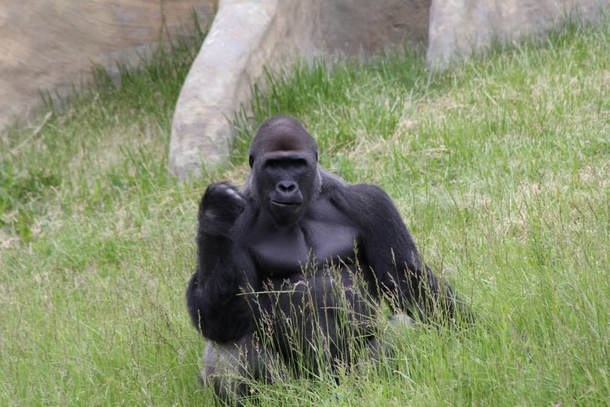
{"points": [[500, 167]]}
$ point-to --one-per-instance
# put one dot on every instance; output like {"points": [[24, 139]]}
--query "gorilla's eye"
{"points": [[286, 163], [272, 164]]}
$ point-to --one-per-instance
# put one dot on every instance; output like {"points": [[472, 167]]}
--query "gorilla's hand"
{"points": [[220, 206]]}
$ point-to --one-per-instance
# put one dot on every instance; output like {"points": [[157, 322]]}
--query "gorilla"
{"points": [[292, 269]]}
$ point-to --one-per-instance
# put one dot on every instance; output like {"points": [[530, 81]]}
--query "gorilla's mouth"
{"points": [[288, 204]]}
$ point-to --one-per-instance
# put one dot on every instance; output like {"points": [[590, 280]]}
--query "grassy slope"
{"points": [[500, 167]]}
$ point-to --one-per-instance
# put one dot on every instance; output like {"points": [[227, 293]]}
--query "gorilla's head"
{"points": [[284, 175]]}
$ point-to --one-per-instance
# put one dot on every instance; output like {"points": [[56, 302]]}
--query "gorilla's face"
{"points": [[283, 158], [286, 185]]}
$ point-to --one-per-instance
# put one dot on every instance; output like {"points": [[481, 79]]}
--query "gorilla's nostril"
{"points": [[287, 186]]}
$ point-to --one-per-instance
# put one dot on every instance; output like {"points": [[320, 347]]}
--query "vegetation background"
{"points": [[500, 167]]}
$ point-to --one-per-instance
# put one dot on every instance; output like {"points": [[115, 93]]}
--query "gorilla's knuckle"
{"points": [[223, 192], [234, 195]]}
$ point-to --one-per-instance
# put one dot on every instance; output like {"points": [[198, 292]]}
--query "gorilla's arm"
{"points": [[215, 294], [392, 255]]}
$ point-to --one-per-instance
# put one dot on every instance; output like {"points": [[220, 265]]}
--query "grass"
{"points": [[500, 167]]}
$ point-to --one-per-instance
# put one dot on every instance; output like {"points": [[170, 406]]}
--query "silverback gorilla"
{"points": [[291, 270]]}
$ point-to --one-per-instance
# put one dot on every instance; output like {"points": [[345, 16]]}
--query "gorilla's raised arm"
{"points": [[216, 297]]}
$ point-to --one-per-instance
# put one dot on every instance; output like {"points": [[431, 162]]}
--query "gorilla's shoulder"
{"points": [[329, 180], [369, 196], [353, 198]]}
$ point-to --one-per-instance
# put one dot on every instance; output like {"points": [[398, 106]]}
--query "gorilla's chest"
{"points": [[311, 245]]}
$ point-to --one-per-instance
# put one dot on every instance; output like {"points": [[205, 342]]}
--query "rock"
{"points": [[245, 37], [51, 46], [353, 27], [459, 27]]}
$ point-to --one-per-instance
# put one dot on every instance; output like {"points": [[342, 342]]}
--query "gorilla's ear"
{"points": [[251, 160]]}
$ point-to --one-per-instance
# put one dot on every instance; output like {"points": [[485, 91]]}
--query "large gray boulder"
{"points": [[459, 27], [50, 46], [245, 36]]}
